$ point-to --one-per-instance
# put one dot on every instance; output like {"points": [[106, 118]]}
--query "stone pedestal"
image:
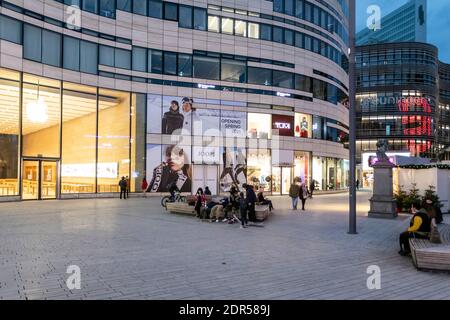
{"points": [[382, 204]]}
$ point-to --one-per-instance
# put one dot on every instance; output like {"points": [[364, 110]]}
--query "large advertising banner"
{"points": [[206, 155], [178, 115], [154, 110], [206, 123], [233, 169], [169, 165], [233, 124]]}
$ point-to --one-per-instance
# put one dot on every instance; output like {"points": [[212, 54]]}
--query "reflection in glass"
{"points": [[9, 133], [113, 139]]}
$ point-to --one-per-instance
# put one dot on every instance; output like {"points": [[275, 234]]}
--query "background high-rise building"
{"points": [[408, 23]]}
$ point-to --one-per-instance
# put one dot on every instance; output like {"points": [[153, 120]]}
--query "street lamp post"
{"points": [[352, 116]]}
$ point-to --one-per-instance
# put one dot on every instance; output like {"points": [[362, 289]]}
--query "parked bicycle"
{"points": [[176, 198]]}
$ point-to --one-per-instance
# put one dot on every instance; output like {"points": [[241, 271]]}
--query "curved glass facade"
{"points": [[83, 107]]}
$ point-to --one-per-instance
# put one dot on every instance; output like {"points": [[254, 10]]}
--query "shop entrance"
{"points": [[39, 179], [205, 176], [282, 180]]}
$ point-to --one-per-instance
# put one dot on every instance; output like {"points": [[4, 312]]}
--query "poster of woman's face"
{"points": [[168, 165]]}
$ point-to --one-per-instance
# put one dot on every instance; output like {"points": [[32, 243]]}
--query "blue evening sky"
{"points": [[438, 21]]}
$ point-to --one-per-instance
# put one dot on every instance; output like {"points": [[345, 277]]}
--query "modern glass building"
{"points": [[190, 92], [405, 24], [402, 96]]}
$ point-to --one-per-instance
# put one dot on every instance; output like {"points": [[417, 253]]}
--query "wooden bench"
{"points": [[181, 207], [432, 256]]}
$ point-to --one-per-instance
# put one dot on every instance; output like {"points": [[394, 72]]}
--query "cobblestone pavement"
{"points": [[134, 250]]}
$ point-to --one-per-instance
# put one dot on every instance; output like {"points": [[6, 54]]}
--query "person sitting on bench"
{"points": [[264, 201], [419, 228]]}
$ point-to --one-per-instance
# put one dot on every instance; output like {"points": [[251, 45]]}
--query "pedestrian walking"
{"points": [[312, 187], [144, 186], [251, 202], [303, 194], [123, 188], [243, 210], [127, 179], [357, 184], [294, 192]]}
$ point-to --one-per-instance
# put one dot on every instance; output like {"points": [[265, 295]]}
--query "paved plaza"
{"points": [[134, 250]]}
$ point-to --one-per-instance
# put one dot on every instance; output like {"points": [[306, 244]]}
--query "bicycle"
{"points": [[177, 198]]}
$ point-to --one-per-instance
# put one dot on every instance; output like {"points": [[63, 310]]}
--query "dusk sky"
{"points": [[438, 21]]}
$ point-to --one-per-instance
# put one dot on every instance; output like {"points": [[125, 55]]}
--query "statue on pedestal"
{"points": [[382, 147]]}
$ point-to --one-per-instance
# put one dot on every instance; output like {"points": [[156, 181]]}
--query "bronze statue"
{"points": [[382, 147]]}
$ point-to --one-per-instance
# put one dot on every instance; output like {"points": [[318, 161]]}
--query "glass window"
{"points": [[139, 59], [299, 9], [200, 19], [289, 7], [170, 11], [282, 79], [289, 37], [89, 57], [278, 34], [32, 43], [308, 45], [302, 83], [302, 167], [41, 117], [259, 168], [259, 125], [303, 125], [184, 65], [155, 61], [113, 140], [253, 30], [319, 172], [299, 40], [185, 20], [9, 133], [155, 9], [140, 7], [51, 48], [90, 6], [10, 29], [240, 28], [138, 136], [317, 127], [107, 56], [206, 68], [108, 8], [71, 53], [266, 32], [227, 25], [124, 5], [122, 59], [170, 63], [260, 76], [213, 23], [234, 71], [278, 6], [79, 130]]}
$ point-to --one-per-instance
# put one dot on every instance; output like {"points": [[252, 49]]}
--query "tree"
{"points": [[413, 197], [430, 194], [400, 197]]}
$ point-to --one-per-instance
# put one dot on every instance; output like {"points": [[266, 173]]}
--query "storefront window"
{"points": [[113, 139], [319, 172], [259, 126], [259, 166], [331, 174], [138, 110], [302, 166], [317, 127], [303, 125], [9, 133], [41, 117], [79, 130]]}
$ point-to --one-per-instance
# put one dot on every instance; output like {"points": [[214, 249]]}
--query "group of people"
{"points": [[236, 202], [425, 215], [299, 190]]}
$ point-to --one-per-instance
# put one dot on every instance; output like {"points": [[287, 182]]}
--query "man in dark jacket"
{"points": [[173, 119], [251, 201], [123, 188]]}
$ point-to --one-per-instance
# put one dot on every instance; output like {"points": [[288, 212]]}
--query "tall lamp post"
{"points": [[352, 114]]}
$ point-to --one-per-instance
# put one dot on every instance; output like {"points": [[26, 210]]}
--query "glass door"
{"points": [[286, 175], [48, 181], [30, 180], [39, 179], [276, 180]]}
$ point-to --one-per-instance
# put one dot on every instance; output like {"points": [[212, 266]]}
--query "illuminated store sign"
{"points": [[284, 95], [87, 170], [206, 86], [283, 124]]}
